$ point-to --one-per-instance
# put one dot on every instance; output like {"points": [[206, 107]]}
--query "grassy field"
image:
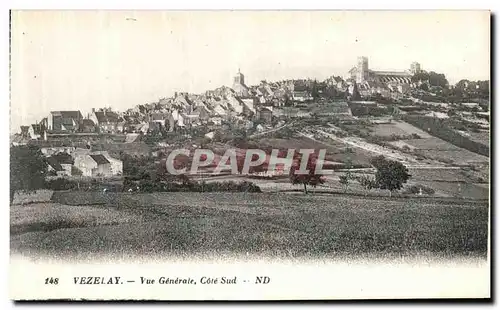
{"points": [[275, 225]]}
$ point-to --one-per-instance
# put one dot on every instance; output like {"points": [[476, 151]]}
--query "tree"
{"points": [[355, 93], [311, 178], [390, 174], [344, 180], [367, 182], [424, 87], [438, 79], [421, 76], [28, 169], [314, 90], [433, 78]]}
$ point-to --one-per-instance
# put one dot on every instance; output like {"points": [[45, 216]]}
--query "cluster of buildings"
{"points": [[183, 110], [80, 162], [240, 102], [249, 106]]}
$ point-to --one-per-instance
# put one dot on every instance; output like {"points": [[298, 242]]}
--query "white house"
{"points": [[93, 165]]}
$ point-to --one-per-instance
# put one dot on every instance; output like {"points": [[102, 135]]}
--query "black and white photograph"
{"points": [[239, 155]]}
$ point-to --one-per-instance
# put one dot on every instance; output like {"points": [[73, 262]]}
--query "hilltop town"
{"points": [[412, 116]]}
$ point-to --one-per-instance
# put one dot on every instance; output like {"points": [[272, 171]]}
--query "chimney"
{"points": [[93, 110]]}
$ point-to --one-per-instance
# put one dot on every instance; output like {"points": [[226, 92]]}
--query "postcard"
{"points": [[249, 155]]}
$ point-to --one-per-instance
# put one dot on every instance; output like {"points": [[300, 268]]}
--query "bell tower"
{"points": [[362, 69], [239, 78]]}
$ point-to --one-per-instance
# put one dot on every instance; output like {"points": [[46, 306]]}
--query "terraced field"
{"points": [[436, 147], [399, 128]]}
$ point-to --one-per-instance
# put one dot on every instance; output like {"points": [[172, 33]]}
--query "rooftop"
{"points": [[99, 159]]}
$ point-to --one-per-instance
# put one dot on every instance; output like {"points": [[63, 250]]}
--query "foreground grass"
{"points": [[266, 224]]}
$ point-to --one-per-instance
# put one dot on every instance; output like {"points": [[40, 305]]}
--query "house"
{"points": [[116, 164], [301, 96], [337, 82], [93, 165], [87, 125], [210, 135], [159, 118], [25, 131], [131, 123], [235, 104], [216, 120], [35, 131], [202, 112], [190, 119], [266, 114], [220, 109], [248, 107], [61, 164], [248, 124], [107, 120], [177, 119], [154, 127], [63, 121], [140, 128]]}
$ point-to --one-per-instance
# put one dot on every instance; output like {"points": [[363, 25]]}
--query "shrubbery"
{"points": [[195, 186], [363, 110], [61, 184]]}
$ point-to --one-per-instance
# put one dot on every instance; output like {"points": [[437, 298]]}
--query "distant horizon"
{"points": [[70, 60]]}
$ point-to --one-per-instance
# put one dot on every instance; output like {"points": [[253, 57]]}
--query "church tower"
{"points": [[362, 70], [239, 78], [239, 85], [415, 68]]}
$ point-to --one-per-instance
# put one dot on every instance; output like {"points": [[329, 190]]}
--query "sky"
{"points": [[77, 60]]}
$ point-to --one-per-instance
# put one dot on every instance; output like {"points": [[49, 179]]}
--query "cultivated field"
{"points": [[436, 147], [482, 137], [399, 128], [277, 225]]}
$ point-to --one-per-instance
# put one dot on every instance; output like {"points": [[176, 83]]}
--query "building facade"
{"points": [[362, 73]]}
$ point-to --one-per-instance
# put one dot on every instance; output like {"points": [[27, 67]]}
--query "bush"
{"points": [[61, 184]]}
